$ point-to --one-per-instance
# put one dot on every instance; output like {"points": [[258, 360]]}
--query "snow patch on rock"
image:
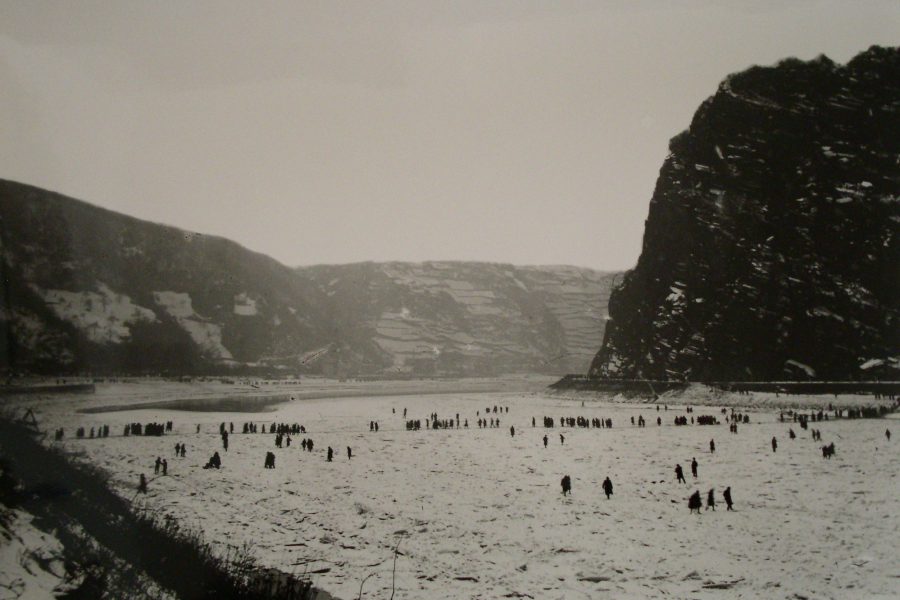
{"points": [[205, 334], [103, 316], [244, 305]]}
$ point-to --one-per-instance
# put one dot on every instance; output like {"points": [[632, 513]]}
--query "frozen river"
{"points": [[478, 513]]}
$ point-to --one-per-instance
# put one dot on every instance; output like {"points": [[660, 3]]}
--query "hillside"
{"points": [[90, 290], [771, 249], [473, 318]]}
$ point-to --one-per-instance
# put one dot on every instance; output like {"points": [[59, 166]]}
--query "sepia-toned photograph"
{"points": [[449, 300]]}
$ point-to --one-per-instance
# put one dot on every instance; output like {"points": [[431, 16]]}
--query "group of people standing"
{"points": [[566, 484], [696, 503]]}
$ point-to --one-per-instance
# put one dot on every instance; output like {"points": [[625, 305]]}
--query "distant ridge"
{"points": [[89, 290]]}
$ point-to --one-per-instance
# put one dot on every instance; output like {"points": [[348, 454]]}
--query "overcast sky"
{"points": [[331, 132]]}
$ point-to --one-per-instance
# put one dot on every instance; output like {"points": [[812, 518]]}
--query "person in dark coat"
{"points": [[165, 467], [711, 500], [607, 487], [142, 485], [214, 462], [791, 434], [727, 495], [545, 441], [566, 485], [349, 453], [774, 444], [157, 466], [330, 453], [694, 467], [562, 439], [712, 446], [887, 434], [695, 502], [512, 431], [679, 473]]}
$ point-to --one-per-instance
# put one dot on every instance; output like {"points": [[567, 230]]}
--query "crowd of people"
{"points": [[101, 432], [283, 431], [156, 429]]}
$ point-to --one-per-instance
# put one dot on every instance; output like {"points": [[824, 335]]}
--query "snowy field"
{"points": [[478, 513]]}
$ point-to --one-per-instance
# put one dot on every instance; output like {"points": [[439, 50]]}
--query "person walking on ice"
{"points": [[695, 503], [566, 485], [727, 495], [512, 431], [142, 485], [694, 467], [545, 441], [349, 453], [679, 473], [887, 434], [774, 444], [711, 500], [712, 446], [607, 487], [330, 453]]}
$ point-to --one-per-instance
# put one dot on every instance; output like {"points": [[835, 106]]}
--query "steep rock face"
{"points": [[771, 248], [451, 318], [89, 289]]}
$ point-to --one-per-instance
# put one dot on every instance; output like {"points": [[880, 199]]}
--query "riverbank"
{"points": [[251, 396], [112, 547], [699, 394]]}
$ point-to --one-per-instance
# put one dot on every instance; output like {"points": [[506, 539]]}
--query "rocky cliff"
{"points": [[772, 246], [89, 290]]}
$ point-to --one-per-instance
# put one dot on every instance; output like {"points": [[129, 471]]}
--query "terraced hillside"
{"points": [[467, 318]]}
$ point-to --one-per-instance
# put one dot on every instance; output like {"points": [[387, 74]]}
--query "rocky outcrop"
{"points": [[772, 246], [90, 290]]}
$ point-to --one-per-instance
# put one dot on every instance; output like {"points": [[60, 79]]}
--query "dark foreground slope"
{"points": [[113, 545], [772, 245]]}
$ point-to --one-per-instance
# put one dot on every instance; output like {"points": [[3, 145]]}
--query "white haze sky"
{"points": [[331, 132]]}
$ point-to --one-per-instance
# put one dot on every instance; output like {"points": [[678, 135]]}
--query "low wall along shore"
{"points": [[651, 387]]}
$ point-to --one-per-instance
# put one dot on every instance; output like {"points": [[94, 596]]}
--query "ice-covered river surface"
{"points": [[478, 513]]}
